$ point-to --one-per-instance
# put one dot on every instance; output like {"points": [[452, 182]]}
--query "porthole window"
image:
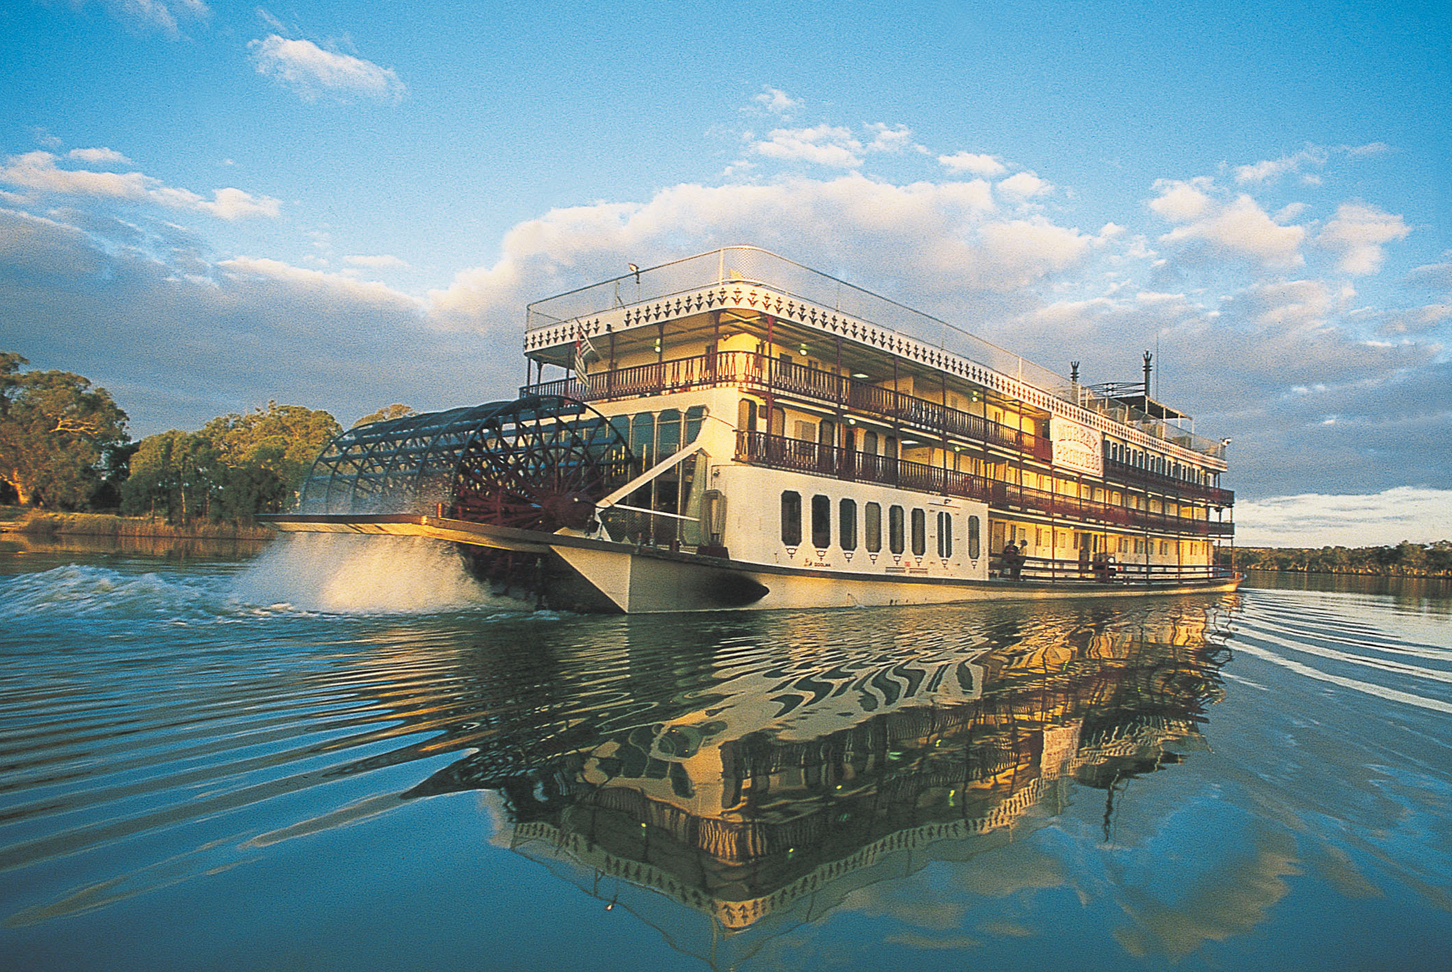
{"points": [[872, 526], [920, 533], [975, 542], [895, 537]]}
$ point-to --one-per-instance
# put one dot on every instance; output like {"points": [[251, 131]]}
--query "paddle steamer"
{"points": [[735, 430]]}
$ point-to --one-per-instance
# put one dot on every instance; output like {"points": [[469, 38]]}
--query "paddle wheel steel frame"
{"points": [[539, 462]]}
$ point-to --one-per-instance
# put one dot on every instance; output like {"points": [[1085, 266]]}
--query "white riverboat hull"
{"points": [[627, 579]]}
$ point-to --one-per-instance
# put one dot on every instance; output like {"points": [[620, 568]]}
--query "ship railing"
{"points": [[746, 267], [762, 373], [820, 459], [1124, 473], [1124, 414], [1106, 571]]}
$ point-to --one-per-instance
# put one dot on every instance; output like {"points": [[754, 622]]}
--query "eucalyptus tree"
{"points": [[55, 428]]}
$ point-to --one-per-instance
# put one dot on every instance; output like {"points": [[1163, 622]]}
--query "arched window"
{"points": [[745, 415]]}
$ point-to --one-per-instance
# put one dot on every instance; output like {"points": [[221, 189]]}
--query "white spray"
{"points": [[341, 573]]}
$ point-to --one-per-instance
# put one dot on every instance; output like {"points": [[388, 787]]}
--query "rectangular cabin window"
{"points": [[778, 422], [975, 538], [872, 526], [847, 525], [869, 443], [821, 522], [791, 518], [920, 533], [642, 439], [668, 433], [806, 431], [945, 535], [895, 538]]}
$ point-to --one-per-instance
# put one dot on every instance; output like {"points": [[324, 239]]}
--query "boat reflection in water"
{"points": [[759, 787]]}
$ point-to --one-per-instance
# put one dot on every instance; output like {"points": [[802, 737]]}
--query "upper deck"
{"points": [[751, 281]]}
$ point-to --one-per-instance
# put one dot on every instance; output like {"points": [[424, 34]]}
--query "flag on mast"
{"points": [[584, 351]]}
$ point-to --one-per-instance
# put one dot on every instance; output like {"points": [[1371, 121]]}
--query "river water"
{"points": [[337, 753]]}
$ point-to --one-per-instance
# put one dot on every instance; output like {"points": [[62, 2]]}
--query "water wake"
{"points": [[344, 574], [89, 591]]}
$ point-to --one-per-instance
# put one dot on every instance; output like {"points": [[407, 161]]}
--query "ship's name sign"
{"points": [[1077, 447]]}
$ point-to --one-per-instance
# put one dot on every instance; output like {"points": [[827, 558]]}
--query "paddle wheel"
{"points": [[539, 465], [538, 462]]}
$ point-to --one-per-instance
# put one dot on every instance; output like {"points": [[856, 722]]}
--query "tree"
{"points": [[283, 438], [54, 430], [395, 411], [176, 474], [234, 468]]}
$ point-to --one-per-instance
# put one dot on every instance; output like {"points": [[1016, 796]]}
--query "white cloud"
{"points": [[776, 101], [981, 165], [235, 204], [379, 262], [934, 241], [332, 285], [98, 156], [163, 15], [1024, 185], [1181, 202], [38, 171], [312, 71], [821, 145], [1416, 320], [1357, 234], [1240, 228], [1435, 276], [889, 138], [1357, 520], [1371, 148], [1273, 169]]}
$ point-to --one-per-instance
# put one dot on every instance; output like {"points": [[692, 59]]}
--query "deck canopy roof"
{"points": [[748, 283]]}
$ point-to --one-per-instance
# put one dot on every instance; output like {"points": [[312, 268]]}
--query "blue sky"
{"points": [[204, 206]]}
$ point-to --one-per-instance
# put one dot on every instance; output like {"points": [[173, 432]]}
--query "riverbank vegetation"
{"points": [[34, 522], [1403, 560], [64, 449]]}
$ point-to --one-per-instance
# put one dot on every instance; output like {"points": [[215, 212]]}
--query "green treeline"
{"points": [[1405, 559], [64, 447], [233, 468]]}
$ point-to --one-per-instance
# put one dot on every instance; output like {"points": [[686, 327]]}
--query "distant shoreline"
{"points": [[1433, 560], [39, 523], [1439, 575]]}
